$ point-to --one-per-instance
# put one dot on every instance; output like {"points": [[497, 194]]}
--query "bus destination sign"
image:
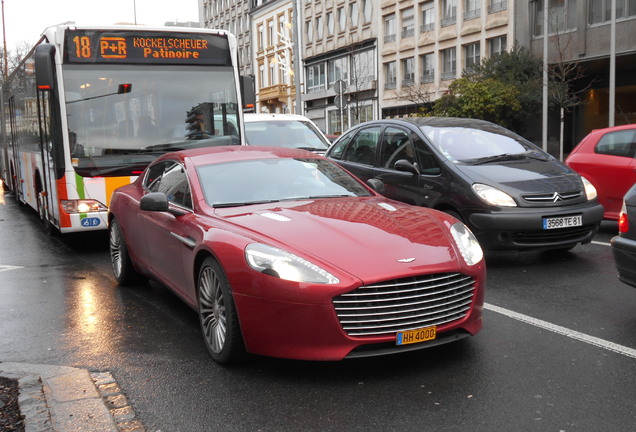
{"points": [[108, 46]]}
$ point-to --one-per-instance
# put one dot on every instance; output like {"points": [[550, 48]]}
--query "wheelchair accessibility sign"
{"points": [[90, 222]]}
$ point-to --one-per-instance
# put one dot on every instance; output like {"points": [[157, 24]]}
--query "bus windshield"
{"points": [[120, 117]]}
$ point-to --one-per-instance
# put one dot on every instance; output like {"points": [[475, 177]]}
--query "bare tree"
{"points": [[418, 94], [15, 56], [564, 73]]}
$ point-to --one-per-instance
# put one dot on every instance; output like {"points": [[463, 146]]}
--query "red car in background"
{"points": [[607, 158], [283, 253]]}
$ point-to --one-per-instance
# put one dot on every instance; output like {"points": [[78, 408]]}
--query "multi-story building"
{"points": [[339, 51], [274, 67], [579, 34], [231, 15], [426, 44]]}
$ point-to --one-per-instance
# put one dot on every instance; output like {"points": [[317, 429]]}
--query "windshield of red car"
{"points": [[269, 180]]}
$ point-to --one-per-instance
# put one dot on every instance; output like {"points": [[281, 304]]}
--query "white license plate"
{"points": [[562, 222]]}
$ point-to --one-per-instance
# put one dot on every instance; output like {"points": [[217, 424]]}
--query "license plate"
{"points": [[416, 336], [562, 222]]}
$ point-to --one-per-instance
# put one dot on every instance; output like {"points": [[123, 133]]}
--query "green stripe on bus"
{"points": [[79, 185]]}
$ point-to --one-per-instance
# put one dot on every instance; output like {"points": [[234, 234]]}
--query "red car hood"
{"points": [[372, 239]]}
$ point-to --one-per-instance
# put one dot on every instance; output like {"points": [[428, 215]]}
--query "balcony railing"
{"points": [[275, 91], [449, 75], [498, 6], [449, 21], [427, 27], [408, 32], [468, 15], [427, 77], [389, 38], [390, 85]]}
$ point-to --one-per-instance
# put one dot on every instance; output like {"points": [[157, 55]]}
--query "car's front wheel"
{"points": [[123, 268], [217, 314]]}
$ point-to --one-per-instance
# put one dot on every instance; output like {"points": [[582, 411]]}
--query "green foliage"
{"points": [[505, 89], [486, 99]]}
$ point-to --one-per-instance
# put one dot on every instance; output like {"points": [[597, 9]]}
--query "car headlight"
{"points": [[590, 190], [285, 265], [467, 243], [493, 196]]}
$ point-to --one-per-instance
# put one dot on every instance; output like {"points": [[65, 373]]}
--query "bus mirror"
{"points": [[124, 88], [248, 92], [45, 67]]}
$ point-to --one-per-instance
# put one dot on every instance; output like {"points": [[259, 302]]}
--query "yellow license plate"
{"points": [[416, 336]]}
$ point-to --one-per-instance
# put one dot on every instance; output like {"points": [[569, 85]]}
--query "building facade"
{"points": [[339, 52], [579, 34], [231, 15], [426, 44], [274, 66], [369, 59]]}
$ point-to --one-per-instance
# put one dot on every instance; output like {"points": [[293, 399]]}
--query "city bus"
{"points": [[90, 107]]}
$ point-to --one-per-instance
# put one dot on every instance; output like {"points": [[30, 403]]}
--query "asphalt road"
{"points": [[557, 352]]}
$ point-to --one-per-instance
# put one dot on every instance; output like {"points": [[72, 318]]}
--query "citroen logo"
{"points": [[556, 197], [406, 260]]}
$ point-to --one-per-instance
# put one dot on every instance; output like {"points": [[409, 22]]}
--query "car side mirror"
{"points": [[158, 202], [376, 184], [154, 201], [404, 165]]}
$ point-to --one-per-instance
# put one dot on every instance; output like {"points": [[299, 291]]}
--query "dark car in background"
{"points": [[607, 158], [624, 244], [513, 195]]}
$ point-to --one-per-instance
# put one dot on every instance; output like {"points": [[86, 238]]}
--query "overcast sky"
{"points": [[26, 19]]}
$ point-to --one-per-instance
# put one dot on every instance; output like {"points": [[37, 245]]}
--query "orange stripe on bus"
{"points": [[113, 183]]}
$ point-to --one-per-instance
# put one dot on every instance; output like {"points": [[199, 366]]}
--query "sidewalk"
{"points": [[67, 399]]}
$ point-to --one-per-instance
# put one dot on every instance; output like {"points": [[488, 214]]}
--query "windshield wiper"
{"points": [[504, 157], [244, 203]]}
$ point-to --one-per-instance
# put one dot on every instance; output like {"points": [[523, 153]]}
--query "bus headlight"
{"points": [[82, 206]]}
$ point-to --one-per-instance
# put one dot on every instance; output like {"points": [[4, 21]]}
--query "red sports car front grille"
{"points": [[405, 304]]}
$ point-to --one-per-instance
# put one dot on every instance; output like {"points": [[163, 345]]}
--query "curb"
{"points": [[67, 399]]}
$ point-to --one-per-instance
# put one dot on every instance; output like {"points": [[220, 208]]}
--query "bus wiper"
{"points": [[244, 203]]}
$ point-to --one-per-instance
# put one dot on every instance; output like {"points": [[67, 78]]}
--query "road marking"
{"points": [[601, 243], [8, 267], [601, 343]]}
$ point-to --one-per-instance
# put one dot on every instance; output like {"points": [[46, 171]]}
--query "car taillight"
{"points": [[623, 224]]}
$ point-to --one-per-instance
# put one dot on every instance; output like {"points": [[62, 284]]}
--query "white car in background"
{"points": [[284, 130]]}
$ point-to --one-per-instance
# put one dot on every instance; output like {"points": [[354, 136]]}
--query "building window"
{"points": [[270, 33], [449, 12], [261, 76], [471, 55], [261, 37], [316, 78], [472, 9], [449, 64], [367, 10], [601, 10], [428, 16], [427, 63], [342, 20], [408, 22], [408, 72], [354, 14], [337, 69], [389, 28], [363, 68], [561, 16], [330, 24], [497, 45], [390, 75], [272, 73], [319, 28], [309, 31]]}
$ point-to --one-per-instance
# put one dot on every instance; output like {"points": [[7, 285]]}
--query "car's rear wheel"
{"points": [[123, 268], [217, 314]]}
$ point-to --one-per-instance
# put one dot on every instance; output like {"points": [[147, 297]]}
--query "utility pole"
{"points": [[612, 77], [545, 76]]}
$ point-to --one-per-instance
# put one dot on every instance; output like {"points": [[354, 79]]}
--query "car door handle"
{"points": [[188, 241]]}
